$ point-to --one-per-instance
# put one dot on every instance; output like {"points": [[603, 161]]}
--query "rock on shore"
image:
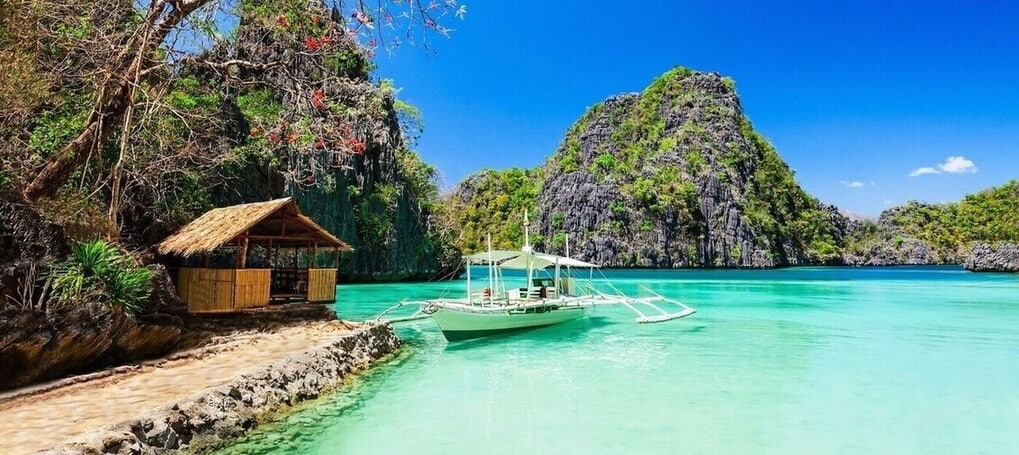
{"points": [[1002, 258], [212, 418], [36, 346]]}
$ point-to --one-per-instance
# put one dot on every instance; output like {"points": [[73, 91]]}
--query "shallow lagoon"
{"points": [[805, 360]]}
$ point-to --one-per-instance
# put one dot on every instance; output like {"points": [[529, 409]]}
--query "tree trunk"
{"points": [[114, 95]]}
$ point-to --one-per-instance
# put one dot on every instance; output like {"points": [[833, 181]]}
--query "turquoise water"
{"points": [[807, 360]]}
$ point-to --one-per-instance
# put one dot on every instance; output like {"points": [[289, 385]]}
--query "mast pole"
{"points": [[569, 273], [556, 281], [469, 297], [530, 255], [491, 270]]}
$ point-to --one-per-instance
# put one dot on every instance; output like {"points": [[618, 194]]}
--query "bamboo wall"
{"points": [[223, 290], [251, 290], [321, 285]]}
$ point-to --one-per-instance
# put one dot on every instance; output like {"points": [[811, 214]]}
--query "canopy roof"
{"points": [[494, 256], [278, 221], [518, 260]]}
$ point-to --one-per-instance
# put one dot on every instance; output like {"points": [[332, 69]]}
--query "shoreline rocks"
{"points": [[37, 346], [1001, 258], [215, 417]]}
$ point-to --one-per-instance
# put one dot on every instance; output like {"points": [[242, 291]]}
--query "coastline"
{"points": [[209, 415]]}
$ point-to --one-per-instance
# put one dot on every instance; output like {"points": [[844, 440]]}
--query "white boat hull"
{"points": [[459, 325]]}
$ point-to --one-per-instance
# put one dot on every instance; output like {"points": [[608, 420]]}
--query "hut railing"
{"points": [[321, 285], [208, 290]]}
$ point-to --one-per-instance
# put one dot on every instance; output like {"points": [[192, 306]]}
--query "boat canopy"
{"points": [[543, 260], [494, 256], [507, 259]]}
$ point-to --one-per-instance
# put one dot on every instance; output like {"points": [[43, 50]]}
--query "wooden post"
{"points": [[205, 260], [242, 254], [314, 255], [268, 252], [336, 257]]}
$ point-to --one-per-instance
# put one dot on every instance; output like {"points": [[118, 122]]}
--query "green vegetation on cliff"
{"points": [[495, 205], [216, 122], [951, 229], [673, 176]]}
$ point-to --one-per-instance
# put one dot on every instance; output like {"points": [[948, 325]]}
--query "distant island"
{"points": [[676, 176]]}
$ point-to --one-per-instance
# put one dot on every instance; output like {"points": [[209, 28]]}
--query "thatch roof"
{"points": [[278, 221]]}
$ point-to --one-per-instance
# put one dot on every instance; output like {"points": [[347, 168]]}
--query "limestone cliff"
{"points": [[674, 176], [999, 258], [946, 233], [311, 123]]}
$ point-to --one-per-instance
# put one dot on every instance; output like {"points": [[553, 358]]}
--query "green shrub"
{"points": [[559, 240], [5, 180], [557, 219], [100, 271], [618, 208], [606, 162]]}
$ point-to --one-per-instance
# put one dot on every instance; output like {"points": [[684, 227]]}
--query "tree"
{"points": [[162, 36]]}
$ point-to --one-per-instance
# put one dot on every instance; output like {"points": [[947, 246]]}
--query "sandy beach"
{"points": [[49, 415]]}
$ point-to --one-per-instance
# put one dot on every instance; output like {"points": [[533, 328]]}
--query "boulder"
{"points": [[986, 258]]}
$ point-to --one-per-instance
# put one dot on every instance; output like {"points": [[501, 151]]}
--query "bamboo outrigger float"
{"points": [[496, 309]]}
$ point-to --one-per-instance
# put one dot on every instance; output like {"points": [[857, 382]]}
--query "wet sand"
{"points": [[30, 423]]}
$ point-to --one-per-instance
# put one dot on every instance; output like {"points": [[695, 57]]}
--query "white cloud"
{"points": [[952, 165], [853, 184], [958, 165], [923, 170]]}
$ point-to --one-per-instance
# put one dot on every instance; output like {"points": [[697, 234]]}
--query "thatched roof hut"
{"points": [[278, 220], [276, 225]]}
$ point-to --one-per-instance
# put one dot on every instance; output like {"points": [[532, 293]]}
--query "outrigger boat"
{"points": [[544, 301]]}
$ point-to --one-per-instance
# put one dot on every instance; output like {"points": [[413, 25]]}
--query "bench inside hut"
{"points": [[250, 255]]}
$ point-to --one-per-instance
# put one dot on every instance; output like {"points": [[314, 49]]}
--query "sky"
{"points": [[871, 103]]}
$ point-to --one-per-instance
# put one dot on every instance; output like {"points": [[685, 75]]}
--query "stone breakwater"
{"points": [[214, 417], [1001, 258]]}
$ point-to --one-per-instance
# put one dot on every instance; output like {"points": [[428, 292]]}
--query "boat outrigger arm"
{"points": [[647, 309], [634, 304], [541, 302]]}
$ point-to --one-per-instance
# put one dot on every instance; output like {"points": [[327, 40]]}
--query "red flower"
{"points": [[283, 21], [313, 44], [356, 145], [318, 99]]}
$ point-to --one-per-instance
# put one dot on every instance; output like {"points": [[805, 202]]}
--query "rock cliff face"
{"points": [[320, 129], [675, 177], [27, 239], [946, 233], [987, 258], [883, 243]]}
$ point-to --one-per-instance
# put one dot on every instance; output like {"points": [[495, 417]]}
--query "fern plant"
{"points": [[99, 270]]}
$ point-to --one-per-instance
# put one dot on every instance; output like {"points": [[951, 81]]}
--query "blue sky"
{"points": [[855, 97]]}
